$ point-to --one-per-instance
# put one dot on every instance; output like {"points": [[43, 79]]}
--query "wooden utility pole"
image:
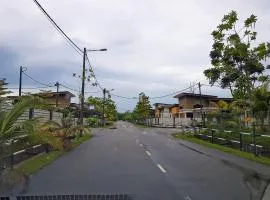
{"points": [[103, 107], [20, 82], [201, 106], [82, 92]]}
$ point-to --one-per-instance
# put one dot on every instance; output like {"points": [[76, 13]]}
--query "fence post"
{"points": [[212, 134], [173, 122], [158, 120], [241, 142], [254, 140]]}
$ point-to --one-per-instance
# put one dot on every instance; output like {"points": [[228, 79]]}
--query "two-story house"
{"points": [[58, 99], [192, 105]]}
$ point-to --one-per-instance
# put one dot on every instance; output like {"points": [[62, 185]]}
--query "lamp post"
{"points": [[83, 81]]}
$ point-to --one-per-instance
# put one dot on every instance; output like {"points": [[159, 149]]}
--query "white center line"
{"points": [[161, 168], [148, 153]]}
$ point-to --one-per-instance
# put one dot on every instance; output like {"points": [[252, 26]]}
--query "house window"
{"points": [[189, 115]]}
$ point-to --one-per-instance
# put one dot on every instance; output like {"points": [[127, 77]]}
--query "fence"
{"points": [[41, 114], [19, 156]]}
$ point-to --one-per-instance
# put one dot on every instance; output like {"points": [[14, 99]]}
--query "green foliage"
{"points": [[143, 107], [109, 107], [92, 121], [238, 64], [126, 116], [9, 126], [3, 90]]}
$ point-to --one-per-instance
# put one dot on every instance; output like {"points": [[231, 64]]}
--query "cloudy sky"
{"points": [[154, 46]]}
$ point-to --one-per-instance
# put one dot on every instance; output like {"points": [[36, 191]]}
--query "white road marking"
{"points": [[141, 145], [148, 153], [161, 168], [187, 198]]}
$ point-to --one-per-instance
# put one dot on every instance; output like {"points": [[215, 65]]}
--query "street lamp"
{"points": [[96, 50], [83, 81]]}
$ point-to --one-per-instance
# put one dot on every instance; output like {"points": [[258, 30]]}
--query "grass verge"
{"points": [[141, 126], [38, 162], [246, 155]]}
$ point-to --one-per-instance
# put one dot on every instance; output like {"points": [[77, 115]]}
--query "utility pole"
{"points": [[202, 116], [82, 94], [103, 107], [57, 92], [20, 83]]}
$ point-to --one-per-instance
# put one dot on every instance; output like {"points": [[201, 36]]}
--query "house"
{"points": [[58, 99], [193, 105], [162, 110]]}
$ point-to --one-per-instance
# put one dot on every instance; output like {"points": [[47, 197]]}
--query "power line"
{"points": [[93, 72], [63, 34], [64, 86], [36, 80], [123, 96]]}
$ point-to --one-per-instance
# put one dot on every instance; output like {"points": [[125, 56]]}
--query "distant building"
{"points": [[63, 98], [190, 104]]}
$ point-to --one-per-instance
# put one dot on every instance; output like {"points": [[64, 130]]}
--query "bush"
{"points": [[92, 121], [230, 124]]}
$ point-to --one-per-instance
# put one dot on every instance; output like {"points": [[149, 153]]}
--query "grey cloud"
{"points": [[153, 46]]}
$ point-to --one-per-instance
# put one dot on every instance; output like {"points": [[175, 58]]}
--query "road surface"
{"points": [[144, 163]]}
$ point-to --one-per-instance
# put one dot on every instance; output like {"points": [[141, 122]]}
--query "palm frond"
{"points": [[17, 111]]}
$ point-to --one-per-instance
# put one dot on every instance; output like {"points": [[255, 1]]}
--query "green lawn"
{"points": [[236, 152], [36, 163], [141, 126], [264, 141]]}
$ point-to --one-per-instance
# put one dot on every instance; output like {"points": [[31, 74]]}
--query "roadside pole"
{"points": [[20, 82], [103, 107], [202, 116], [57, 93], [82, 92]]}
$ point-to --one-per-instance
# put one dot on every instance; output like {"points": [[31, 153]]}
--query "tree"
{"points": [[237, 60], [3, 90], [109, 107], [143, 107]]}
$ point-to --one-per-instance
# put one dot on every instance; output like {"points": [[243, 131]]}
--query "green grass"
{"points": [[141, 126], [246, 155], [38, 162], [77, 141], [34, 164]]}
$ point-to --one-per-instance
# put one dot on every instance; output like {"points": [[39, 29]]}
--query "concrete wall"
{"points": [[42, 115]]}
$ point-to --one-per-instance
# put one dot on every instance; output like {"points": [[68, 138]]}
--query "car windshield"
{"points": [[146, 100]]}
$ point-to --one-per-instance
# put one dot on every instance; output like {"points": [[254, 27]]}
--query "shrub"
{"points": [[92, 121]]}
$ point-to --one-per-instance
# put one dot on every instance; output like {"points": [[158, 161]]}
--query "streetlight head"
{"points": [[103, 50]]}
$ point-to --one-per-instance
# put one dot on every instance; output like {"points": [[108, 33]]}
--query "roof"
{"points": [[49, 93], [55, 93], [174, 105], [184, 94], [162, 105]]}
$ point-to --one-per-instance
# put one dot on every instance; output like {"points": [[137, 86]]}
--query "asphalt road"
{"points": [[143, 163]]}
